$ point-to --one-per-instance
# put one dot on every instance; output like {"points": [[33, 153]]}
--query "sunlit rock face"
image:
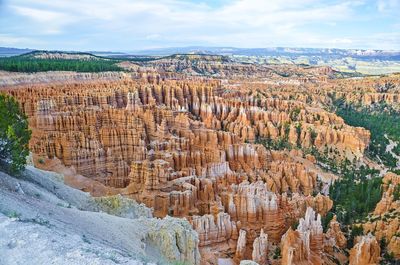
{"points": [[385, 223], [305, 244], [334, 236], [366, 251], [260, 249]]}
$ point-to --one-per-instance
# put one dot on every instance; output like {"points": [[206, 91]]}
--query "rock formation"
{"points": [[248, 262], [366, 251], [241, 246], [305, 244], [384, 222], [260, 249], [334, 236]]}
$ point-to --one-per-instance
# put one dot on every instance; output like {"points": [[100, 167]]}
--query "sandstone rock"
{"points": [[177, 241], [248, 262], [213, 231], [305, 245], [366, 251], [334, 235], [384, 222], [393, 246], [241, 246], [390, 181], [260, 249]]}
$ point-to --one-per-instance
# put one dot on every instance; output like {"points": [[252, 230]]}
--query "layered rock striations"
{"points": [[260, 249], [366, 251], [334, 237], [305, 244], [197, 148]]}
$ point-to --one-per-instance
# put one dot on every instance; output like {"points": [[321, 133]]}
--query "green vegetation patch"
{"points": [[355, 194], [14, 135], [31, 65], [380, 120]]}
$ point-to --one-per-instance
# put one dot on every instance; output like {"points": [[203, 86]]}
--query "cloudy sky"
{"points": [[127, 25]]}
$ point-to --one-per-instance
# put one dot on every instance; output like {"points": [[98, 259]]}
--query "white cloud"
{"points": [[39, 15], [48, 21], [388, 6], [130, 24], [9, 40], [153, 37]]}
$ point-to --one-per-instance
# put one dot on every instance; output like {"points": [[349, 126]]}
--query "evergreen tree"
{"points": [[14, 135]]}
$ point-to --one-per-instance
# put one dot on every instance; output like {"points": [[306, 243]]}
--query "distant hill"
{"points": [[293, 53], [279, 51], [6, 52], [43, 61], [344, 60], [370, 62], [198, 57], [61, 55]]}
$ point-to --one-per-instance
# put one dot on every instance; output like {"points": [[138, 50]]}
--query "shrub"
{"points": [[14, 135]]}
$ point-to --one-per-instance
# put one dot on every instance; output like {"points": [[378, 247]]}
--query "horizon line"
{"points": [[204, 47]]}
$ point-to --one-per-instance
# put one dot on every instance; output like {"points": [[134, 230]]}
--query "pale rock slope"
{"points": [[43, 221]]}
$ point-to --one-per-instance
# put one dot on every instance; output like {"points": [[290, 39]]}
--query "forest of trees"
{"points": [[30, 65], [380, 121], [355, 194]]}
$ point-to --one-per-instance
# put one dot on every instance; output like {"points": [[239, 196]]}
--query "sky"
{"points": [[129, 25]]}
